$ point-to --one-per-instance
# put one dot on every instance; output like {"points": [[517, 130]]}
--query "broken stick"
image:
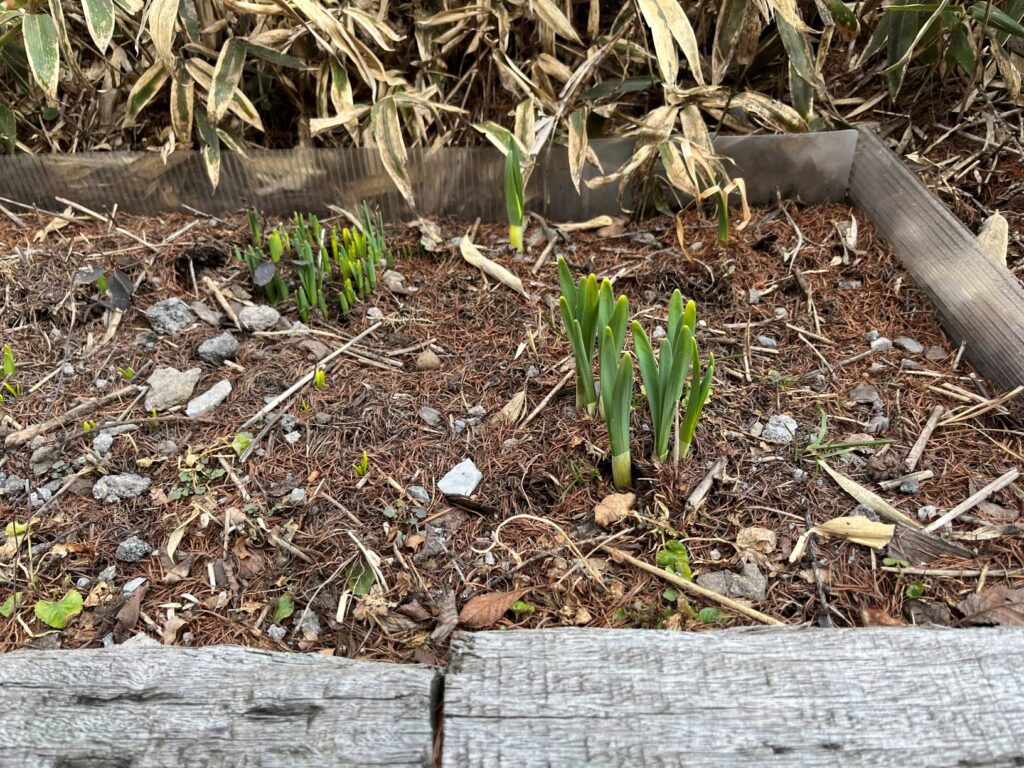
{"points": [[22, 436], [974, 500], [922, 440]]}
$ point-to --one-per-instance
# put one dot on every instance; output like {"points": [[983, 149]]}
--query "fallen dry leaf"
{"points": [[447, 619], [613, 508], [870, 499], [855, 529], [877, 617], [580, 226], [414, 541], [129, 614], [995, 605], [513, 408], [170, 634], [485, 610], [492, 269], [756, 542]]}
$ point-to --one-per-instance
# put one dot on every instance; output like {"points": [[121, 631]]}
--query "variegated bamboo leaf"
{"points": [[40, 34], [344, 118], [387, 133], [227, 74], [145, 88], [554, 18], [578, 144], [210, 147], [99, 18], [163, 16], [183, 94], [668, 15]]}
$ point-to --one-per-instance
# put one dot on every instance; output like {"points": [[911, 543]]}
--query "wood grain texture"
{"points": [[221, 706], [862, 697], [978, 300]]}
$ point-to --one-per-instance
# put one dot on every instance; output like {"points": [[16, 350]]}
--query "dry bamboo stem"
{"points": [[922, 440], [972, 501]]}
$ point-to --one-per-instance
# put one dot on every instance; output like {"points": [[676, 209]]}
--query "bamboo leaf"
{"points": [[99, 18], [226, 76], [182, 104], [577, 145], [473, 256], [8, 130], [145, 88], [387, 133], [211, 147], [667, 16], [554, 18], [40, 35], [163, 15]]}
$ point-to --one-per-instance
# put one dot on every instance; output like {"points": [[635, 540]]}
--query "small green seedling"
{"points": [[88, 425], [320, 379], [915, 590], [664, 377], [522, 609], [362, 467], [10, 605], [284, 607], [675, 559], [9, 368], [241, 442], [617, 400], [514, 195], [127, 373], [710, 616]]}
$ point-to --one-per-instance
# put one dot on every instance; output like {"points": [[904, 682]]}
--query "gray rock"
{"points": [[297, 496], [881, 344], [780, 313], [206, 313], [132, 549], [308, 622], [851, 285], [146, 339], [39, 496], [102, 443], [322, 418], [927, 512], [908, 344], [768, 342], [458, 427], [169, 387], [659, 333], [865, 393], [871, 336], [166, 449], [83, 582], [419, 493], [100, 384], [14, 485], [43, 458], [910, 485], [293, 437], [132, 584], [209, 400], [259, 317], [749, 584], [276, 632], [430, 416], [862, 510], [67, 370], [780, 429], [374, 313], [170, 316], [288, 422], [877, 424], [799, 474], [532, 372], [107, 574], [910, 365], [218, 349], [921, 613], [476, 412], [111, 489], [754, 296], [461, 480], [935, 353]]}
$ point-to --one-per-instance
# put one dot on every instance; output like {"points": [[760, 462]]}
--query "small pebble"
{"points": [[322, 418], [881, 344], [132, 549], [908, 344], [83, 582], [276, 632], [477, 412], [113, 488], [107, 574], [780, 429], [458, 427], [289, 422], [100, 384], [910, 485], [374, 313], [430, 416], [658, 333], [293, 437], [297, 496], [935, 353], [754, 296], [781, 312], [68, 369], [419, 493], [871, 336], [258, 317], [768, 342], [461, 480], [799, 474], [102, 443], [851, 285], [532, 372]]}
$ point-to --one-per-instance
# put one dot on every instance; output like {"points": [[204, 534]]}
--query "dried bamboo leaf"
{"points": [[577, 145], [99, 19], [162, 17], [473, 256], [144, 89], [227, 74], [668, 16], [42, 51], [387, 133], [870, 499]]}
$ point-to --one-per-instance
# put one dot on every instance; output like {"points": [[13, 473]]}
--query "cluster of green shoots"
{"points": [[592, 316], [348, 258]]}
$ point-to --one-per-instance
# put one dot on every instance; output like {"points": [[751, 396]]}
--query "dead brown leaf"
{"points": [[485, 610], [613, 508], [756, 542], [995, 605], [129, 614], [877, 617], [170, 634], [447, 619]]}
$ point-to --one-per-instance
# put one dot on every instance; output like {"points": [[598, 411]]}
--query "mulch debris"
{"points": [[484, 497]]}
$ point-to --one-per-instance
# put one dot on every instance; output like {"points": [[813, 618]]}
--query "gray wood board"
{"points": [[220, 706], [462, 182], [858, 697], [978, 299]]}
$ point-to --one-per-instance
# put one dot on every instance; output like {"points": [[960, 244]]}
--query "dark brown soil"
{"points": [[534, 508]]}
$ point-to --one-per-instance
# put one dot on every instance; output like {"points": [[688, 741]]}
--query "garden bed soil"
{"points": [[784, 307]]}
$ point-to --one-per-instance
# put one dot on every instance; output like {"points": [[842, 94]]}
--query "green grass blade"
{"points": [[648, 370]]}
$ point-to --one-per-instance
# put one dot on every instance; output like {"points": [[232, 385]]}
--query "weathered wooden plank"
{"points": [[221, 706], [463, 182], [978, 300], [860, 697]]}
